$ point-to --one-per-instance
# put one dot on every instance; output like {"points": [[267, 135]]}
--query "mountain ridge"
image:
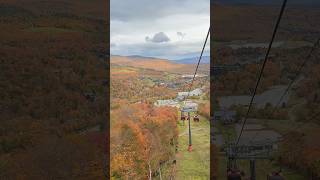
{"points": [[157, 64], [189, 60], [193, 60]]}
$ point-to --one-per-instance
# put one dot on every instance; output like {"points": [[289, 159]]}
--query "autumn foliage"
{"points": [[204, 110], [142, 137], [129, 84]]}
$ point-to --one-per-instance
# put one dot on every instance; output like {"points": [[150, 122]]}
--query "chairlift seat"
{"points": [[196, 119]]}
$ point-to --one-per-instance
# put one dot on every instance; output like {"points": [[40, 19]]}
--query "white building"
{"points": [[196, 92], [183, 94], [169, 102]]}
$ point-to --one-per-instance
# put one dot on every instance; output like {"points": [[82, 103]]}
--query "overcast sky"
{"points": [[170, 29]]}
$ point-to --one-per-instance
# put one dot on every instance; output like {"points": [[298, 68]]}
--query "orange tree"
{"points": [[142, 137]]}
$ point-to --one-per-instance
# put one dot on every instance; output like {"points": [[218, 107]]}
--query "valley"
{"points": [[149, 93]]}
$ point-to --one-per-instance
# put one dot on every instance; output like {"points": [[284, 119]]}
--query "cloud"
{"points": [[181, 35], [131, 21], [158, 38]]}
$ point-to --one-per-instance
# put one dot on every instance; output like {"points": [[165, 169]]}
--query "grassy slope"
{"points": [[194, 165]]}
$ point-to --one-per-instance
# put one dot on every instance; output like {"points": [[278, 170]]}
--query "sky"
{"points": [[169, 29]]}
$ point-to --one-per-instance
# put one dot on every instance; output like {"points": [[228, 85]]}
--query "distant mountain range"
{"points": [[191, 60], [183, 66], [194, 60], [141, 57]]}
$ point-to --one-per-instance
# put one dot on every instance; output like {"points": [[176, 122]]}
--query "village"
{"points": [[180, 99]]}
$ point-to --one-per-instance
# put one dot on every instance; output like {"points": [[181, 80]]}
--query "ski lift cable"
{"points": [[191, 83], [263, 66], [199, 60], [298, 72]]}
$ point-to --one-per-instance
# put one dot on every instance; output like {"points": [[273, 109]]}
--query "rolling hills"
{"points": [[158, 64]]}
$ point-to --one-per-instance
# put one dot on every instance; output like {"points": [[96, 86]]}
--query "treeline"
{"points": [[204, 110], [129, 86], [143, 141]]}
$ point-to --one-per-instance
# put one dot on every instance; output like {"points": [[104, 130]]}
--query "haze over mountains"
{"points": [[190, 60], [194, 60]]}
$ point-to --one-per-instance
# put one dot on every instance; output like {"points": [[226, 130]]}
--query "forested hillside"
{"points": [[143, 141], [144, 136]]}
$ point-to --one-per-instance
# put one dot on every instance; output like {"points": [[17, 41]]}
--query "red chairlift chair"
{"points": [[196, 118]]}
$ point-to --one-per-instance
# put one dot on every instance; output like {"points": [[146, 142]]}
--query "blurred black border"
{"points": [[107, 126]]}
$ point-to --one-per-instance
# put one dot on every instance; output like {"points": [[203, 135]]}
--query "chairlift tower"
{"points": [[189, 110]]}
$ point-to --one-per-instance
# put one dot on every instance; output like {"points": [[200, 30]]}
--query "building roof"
{"points": [[191, 105], [167, 102], [196, 91], [183, 93]]}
